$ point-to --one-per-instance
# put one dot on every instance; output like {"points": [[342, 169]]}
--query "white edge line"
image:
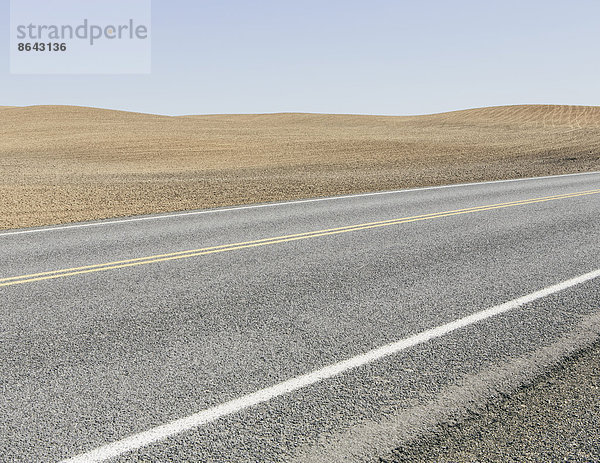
{"points": [[281, 203], [209, 415]]}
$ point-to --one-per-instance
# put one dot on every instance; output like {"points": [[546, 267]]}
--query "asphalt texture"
{"points": [[91, 358], [556, 417]]}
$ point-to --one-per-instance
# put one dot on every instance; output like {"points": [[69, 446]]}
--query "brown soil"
{"points": [[61, 164]]}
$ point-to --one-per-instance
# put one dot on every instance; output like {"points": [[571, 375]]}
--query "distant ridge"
{"points": [[560, 115]]}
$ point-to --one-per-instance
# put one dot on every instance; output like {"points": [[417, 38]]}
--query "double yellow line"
{"points": [[30, 278]]}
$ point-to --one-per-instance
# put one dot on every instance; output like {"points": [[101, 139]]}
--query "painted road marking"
{"points": [[54, 274], [276, 204], [209, 415]]}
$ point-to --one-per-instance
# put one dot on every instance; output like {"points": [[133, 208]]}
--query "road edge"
{"points": [[377, 440]]}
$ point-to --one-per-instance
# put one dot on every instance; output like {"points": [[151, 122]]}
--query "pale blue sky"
{"points": [[343, 56]]}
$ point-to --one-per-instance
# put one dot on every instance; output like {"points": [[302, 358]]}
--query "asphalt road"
{"points": [[240, 334]]}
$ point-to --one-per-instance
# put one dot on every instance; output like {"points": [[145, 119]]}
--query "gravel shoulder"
{"points": [[555, 418]]}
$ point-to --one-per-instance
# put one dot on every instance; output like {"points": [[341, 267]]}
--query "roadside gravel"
{"points": [[556, 418]]}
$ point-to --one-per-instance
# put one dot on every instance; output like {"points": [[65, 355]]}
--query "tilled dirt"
{"points": [[63, 164]]}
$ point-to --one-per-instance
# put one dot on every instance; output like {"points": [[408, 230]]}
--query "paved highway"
{"points": [[303, 331]]}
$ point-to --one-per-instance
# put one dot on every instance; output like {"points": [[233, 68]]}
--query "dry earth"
{"points": [[61, 164]]}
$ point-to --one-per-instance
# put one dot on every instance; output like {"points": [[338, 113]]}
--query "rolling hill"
{"points": [[65, 163]]}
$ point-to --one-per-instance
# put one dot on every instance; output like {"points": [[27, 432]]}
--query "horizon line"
{"points": [[7, 107]]}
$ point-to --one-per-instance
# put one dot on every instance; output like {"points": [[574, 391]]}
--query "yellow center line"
{"points": [[305, 234], [273, 240]]}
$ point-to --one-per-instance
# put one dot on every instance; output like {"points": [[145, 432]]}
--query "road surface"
{"points": [[303, 331]]}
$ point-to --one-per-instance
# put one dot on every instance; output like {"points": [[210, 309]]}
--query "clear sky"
{"points": [[343, 56]]}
